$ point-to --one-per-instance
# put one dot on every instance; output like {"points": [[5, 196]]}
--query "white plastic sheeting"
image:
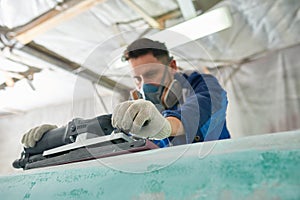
{"points": [[259, 26], [264, 92], [264, 95], [16, 13], [80, 35]]}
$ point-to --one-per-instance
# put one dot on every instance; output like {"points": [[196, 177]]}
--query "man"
{"points": [[167, 107]]}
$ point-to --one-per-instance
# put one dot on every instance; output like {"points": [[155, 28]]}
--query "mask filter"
{"points": [[171, 95]]}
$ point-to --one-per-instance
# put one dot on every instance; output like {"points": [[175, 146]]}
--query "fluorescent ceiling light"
{"points": [[201, 26]]}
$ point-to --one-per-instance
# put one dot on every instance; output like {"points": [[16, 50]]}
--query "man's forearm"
{"points": [[176, 125]]}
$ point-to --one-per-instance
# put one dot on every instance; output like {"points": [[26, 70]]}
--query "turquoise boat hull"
{"points": [[256, 167]]}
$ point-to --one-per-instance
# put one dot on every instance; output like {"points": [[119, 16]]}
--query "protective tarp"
{"points": [[264, 95], [101, 23], [261, 67], [16, 13]]}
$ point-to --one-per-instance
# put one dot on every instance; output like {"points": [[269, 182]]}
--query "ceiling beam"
{"points": [[150, 20], [50, 19], [167, 16], [62, 62]]}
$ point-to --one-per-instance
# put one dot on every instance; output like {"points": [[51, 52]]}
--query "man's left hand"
{"points": [[141, 118]]}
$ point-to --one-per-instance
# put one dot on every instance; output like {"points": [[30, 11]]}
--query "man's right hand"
{"points": [[30, 138]]}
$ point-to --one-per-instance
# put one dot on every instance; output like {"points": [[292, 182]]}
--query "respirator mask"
{"points": [[163, 96]]}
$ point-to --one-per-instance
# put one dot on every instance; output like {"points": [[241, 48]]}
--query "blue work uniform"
{"points": [[202, 110]]}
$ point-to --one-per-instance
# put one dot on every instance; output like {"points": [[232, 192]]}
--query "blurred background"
{"points": [[61, 59]]}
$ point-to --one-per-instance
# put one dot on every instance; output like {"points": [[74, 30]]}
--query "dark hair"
{"points": [[144, 46]]}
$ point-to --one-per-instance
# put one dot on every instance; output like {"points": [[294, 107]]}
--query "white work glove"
{"points": [[141, 118], [30, 138]]}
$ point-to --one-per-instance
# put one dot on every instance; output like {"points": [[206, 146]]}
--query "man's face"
{"points": [[147, 69]]}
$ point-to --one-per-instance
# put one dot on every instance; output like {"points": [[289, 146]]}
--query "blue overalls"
{"points": [[202, 110]]}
